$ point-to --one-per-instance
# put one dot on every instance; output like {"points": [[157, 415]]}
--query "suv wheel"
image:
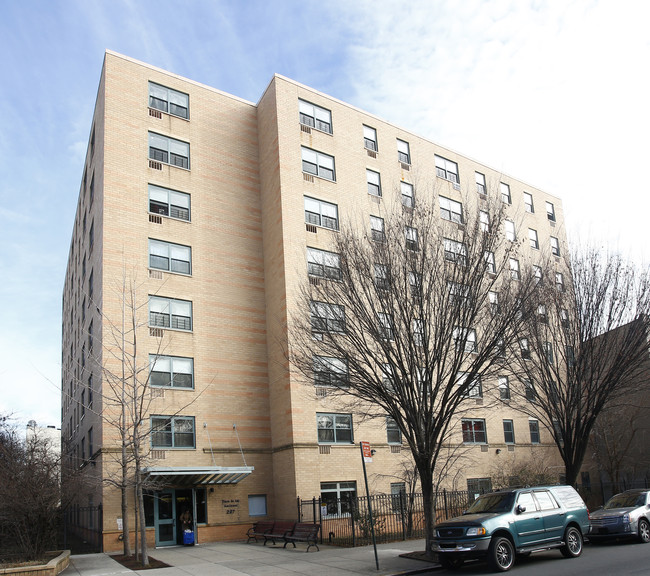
{"points": [[501, 554], [450, 562], [572, 543], [644, 531]]}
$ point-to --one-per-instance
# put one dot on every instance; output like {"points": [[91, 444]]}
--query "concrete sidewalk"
{"points": [[255, 559]]}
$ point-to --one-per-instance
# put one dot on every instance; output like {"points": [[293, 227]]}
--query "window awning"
{"points": [[197, 476]]}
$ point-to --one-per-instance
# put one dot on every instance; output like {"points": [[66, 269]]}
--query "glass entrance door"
{"points": [[165, 518]]}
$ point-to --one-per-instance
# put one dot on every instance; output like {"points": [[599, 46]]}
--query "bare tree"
{"points": [[408, 319], [583, 347]]}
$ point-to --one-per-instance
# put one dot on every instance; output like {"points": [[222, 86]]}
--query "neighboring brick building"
{"points": [[210, 202]]}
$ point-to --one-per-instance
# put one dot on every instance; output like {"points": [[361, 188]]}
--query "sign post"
{"points": [[366, 456]]}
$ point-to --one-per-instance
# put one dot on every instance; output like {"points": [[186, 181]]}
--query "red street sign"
{"points": [[367, 453]]}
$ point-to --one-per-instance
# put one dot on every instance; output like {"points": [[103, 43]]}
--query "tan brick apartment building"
{"points": [[210, 203]]}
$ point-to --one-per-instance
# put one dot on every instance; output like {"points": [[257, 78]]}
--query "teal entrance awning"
{"points": [[197, 476]]}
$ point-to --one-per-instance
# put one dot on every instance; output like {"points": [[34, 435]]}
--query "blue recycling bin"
{"points": [[188, 538]]}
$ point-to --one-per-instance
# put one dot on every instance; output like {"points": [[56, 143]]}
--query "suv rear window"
{"points": [[568, 496]]}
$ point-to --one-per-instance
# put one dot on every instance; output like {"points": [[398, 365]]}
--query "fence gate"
{"points": [[82, 529]]}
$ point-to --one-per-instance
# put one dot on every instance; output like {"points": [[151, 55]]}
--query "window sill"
{"points": [[168, 164], [169, 217], [169, 272], [313, 128], [317, 176], [166, 114]]}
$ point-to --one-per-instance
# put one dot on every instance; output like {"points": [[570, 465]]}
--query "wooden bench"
{"points": [[259, 529], [303, 532], [280, 529]]}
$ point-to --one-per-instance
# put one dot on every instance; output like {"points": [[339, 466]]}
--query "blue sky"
{"points": [[553, 93]]}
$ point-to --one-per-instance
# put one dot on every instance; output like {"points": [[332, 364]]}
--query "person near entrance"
{"points": [[188, 528]]}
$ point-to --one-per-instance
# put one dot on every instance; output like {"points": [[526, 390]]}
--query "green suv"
{"points": [[500, 525]]}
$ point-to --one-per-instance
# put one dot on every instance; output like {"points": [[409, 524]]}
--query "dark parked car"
{"points": [[500, 525], [625, 515]]}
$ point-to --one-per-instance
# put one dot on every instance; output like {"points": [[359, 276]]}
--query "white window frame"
{"points": [[533, 427], [529, 203], [450, 210], [515, 274], [508, 431], [481, 188], [330, 372], [506, 196], [386, 326], [447, 170], [326, 317], [555, 246], [411, 236], [172, 365], [408, 197], [176, 312], [550, 211], [174, 422], [170, 257], [490, 263], [323, 264], [169, 203], [382, 277], [473, 434], [318, 164], [338, 421], [370, 138], [169, 151], [403, 151], [377, 231], [169, 101], [533, 239], [393, 433], [484, 221], [321, 213], [373, 179], [511, 234], [465, 338], [455, 251], [315, 116], [504, 388], [559, 281]]}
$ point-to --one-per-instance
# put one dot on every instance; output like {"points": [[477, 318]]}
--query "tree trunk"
{"points": [[426, 482], [126, 541]]}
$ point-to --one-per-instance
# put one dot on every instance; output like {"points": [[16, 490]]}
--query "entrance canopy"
{"points": [[197, 476]]}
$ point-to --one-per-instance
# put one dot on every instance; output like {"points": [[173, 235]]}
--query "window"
{"points": [[170, 313], [169, 203], [90, 337], [474, 431], [374, 182], [387, 378], [514, 269], [315, 116], [524, 348], [505, 193], [537, 273], [408, 199], [504, 388], [555, 246], [318, 164], [327, 317], [510, 231], [91, 287], [465, 339], [90, 391], [564, 318], [471, 389], [415, 283], [168, 100], [411, 238], [170, 257], [83, 404], [493, 299], [478, 486], [447, 169], [459, 292], [169, 151], [532, 237], [570, 357], [451, 210], [490, 264], [330, 372], [403, 151], [533, 426], [91, 236], [417, 329], [92, 190], [334, 428], [528, 203], [377, 229], [322, 264], [171, 371], [484, 221], [529, 389], [257, 505], [542, 314], [386, 326], [508, 432], [90, 443], [320, 213], [455, 251], [559, 282], [382, 277], [337, 497], [370, 138], [172, 432], [550, 211], [393, 434], [480, 183]]}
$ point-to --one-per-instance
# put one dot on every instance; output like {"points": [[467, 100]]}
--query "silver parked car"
{"points": [[625, 515]]}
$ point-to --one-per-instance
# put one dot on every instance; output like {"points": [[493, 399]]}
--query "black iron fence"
{"points": [[82, 529], [346, 521]]}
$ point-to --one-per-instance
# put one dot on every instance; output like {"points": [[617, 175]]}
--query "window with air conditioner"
{"points": [[447, 169], [169, 150], [169, 101], [320, 213], [315, 116], [170, 257], [318, 164], [403, 151], [370, 138], [171, 203]]}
